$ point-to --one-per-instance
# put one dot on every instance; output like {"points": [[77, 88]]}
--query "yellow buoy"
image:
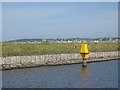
{"points": [[84, 52]]}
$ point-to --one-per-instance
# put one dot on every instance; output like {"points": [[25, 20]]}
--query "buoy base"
{"points": [[84, 64]]}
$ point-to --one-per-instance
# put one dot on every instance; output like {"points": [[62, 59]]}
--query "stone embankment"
{"points": [[13, 62]]}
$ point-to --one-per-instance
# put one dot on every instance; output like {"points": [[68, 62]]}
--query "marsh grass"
{"points": [[15, 49]]}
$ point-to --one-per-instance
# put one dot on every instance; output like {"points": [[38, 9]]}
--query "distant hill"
{"points": [[61, 39], [30, 40], [25, 40]]}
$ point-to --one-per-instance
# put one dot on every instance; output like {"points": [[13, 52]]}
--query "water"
{"points": [[95, 75]]}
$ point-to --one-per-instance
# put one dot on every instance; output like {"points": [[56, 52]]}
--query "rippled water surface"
{"points": [[95, 75]]}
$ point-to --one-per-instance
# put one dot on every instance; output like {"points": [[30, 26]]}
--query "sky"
{"points": [[27, 20]]}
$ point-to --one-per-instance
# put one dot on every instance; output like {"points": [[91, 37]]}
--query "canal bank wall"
{"points": [[13, 62]]}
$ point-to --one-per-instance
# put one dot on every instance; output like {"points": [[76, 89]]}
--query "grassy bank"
{"points": [[14, 49]]}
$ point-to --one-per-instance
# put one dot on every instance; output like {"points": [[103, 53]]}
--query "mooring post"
{"points": [[84, 63]]}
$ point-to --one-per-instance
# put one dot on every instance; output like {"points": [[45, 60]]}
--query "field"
{"points": [[15, 49]]}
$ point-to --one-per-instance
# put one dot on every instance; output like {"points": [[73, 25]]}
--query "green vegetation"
{"points": [[14, 49]]}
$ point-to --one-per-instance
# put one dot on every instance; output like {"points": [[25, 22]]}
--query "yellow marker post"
{"points": [[84, 52]]}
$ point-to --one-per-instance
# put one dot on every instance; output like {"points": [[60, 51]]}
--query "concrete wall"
{"points": [[54, 59]]}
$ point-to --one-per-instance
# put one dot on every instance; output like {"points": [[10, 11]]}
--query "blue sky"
{"points": [[59, 20]]}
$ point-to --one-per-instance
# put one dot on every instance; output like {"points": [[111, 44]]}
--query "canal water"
{"points": [[95, 75]]}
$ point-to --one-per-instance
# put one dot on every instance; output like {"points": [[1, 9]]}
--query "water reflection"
{"points": [[85, 75], [95, 75], [85, 70]]}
